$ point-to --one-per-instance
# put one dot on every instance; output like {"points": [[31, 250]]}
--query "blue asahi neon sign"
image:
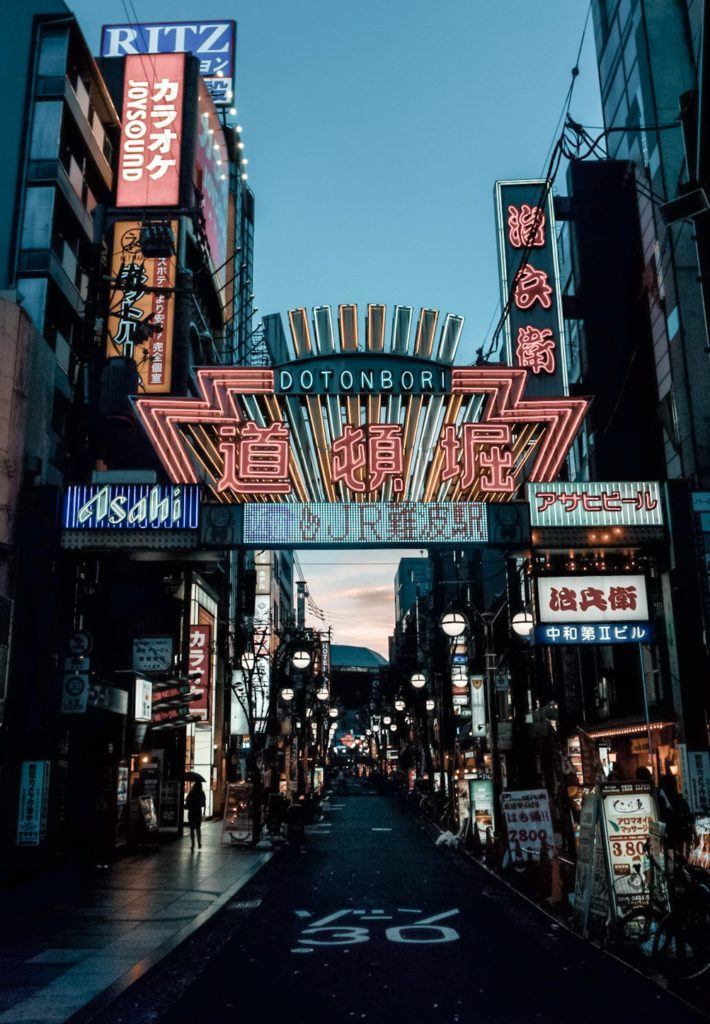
{"points": [[131, 507]]}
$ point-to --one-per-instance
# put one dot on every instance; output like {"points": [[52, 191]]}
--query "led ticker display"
{"points": [[131, 507], [527, 245], [595, 504], [366, 524]]}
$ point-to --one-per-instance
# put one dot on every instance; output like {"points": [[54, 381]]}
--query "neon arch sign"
{"points": [[375, 423]]}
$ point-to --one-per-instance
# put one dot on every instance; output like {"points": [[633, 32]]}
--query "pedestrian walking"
{"points": [[194, 805]]}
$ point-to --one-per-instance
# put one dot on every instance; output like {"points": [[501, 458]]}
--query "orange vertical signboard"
{"points": [[141, 316]]}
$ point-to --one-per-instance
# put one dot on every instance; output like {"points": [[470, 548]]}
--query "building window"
{"points": [[53, 52], [37, 218], [33, 299], [46, 130]]}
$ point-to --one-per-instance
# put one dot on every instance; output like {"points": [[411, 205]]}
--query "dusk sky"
{"points": [[374, 133]]}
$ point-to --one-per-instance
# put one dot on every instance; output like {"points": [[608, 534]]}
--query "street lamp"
{"points": [[287, 693], [387, 719], [430, 705], [393, 727], [418, 680], [523, 623], [333, 712], [399, 704], [301, 659], [323, 693], [454, 623]]}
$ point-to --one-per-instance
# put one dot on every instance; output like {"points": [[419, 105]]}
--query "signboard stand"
{"points": [[238, 822]]}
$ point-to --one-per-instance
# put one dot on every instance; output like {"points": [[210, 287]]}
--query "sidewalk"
{"points": [[66, 939]]}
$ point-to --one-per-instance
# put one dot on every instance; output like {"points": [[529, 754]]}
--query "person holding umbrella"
{"points": [[195, 803]]}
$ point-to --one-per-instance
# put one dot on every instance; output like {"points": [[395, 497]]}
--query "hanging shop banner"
{"points": [[483, 805], [212, 42], [143, 700], [201, 668], [628, 811], [32, 812], [140, 321], [695, 778], [530, 284], [211, 179], [595, 633], [595, 504], [131, 507], [528, 821], [478, 706], [152, 653], [151, 131], [585, 599]]}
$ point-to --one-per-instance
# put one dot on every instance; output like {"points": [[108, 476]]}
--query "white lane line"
{"points": [[381, 830]]}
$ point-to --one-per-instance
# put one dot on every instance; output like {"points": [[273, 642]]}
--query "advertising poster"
{"points": [[238, 822], [695, 778], [152, 653], [482, 804], [699, 853], [584, 871], [628, 811], [528, 820], [32, 812], [137, 303]]}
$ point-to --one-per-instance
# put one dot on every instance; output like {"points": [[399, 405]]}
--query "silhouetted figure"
{"points": [[195, 804]]}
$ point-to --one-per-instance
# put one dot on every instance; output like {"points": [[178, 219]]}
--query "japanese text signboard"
{"points": [[212, 181], [201, 668], [528, 821], [34, 795], [587, 599], [595, 504], [141, 315], [627, 814], [151, 131], [527, 244], [212, 42]]}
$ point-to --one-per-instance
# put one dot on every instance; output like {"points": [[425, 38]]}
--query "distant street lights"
{"points": [[301, 659], [418, 680], [454, 623]]}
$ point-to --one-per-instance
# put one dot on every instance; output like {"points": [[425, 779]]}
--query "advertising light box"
{"points": [[587, 599], [131, 507], [369, 523], [595, 504], [212, 42], [595, 633]]}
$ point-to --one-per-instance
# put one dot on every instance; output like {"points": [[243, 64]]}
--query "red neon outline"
{"points": [[219, 388]]}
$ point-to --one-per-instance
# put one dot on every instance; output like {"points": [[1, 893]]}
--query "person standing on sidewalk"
{"points": [[195, 804]]}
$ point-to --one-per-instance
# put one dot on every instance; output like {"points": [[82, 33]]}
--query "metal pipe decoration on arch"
{"points": [[378, 421]]}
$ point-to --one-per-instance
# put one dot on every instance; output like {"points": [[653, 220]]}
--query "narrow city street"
{"points": [[370, 921]]}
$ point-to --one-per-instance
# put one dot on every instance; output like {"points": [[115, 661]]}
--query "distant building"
{"points": [[413, 577]]}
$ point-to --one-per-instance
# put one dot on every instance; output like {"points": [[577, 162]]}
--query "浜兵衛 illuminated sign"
{"points": [[595, 504], [131, 507]]}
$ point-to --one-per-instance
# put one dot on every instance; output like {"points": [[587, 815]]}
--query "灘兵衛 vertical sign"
{"points": [[151, 131], [140, 321], [529, 273]]}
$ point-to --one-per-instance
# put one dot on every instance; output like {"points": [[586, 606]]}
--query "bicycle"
{"points": [[681, 943]]}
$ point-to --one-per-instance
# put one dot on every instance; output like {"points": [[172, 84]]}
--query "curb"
{"points": [[100, 1002]]}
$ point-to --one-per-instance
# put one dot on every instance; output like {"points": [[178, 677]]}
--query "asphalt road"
{"points": [[373, 923]]}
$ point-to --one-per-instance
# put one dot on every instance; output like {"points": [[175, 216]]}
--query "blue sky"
{"points": [[374, 132]]}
